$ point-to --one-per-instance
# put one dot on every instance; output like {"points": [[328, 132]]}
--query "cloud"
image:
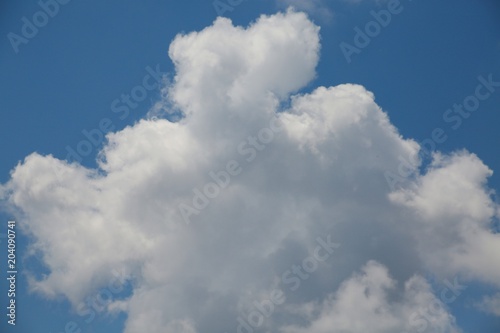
{"points": [[362, 304], [261, 182], [316, 8], [455, 209], [490, 304], [320, 8]]}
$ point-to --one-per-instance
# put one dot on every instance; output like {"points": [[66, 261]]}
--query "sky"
{"points": [[251, 166]]}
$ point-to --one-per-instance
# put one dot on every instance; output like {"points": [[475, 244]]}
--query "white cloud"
{"points": [[323, 172], [320, 8], [490, 304], [362, 304], [316, 8], [453, 209]]}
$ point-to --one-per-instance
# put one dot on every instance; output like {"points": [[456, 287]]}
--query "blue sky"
{"points": [[65, 79]]}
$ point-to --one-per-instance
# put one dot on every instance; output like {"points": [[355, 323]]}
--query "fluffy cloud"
{"points": [[258, 184], [454, 210], [362, 304]]}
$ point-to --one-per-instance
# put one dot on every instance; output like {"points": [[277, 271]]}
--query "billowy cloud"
{"points": [[243, 199]]}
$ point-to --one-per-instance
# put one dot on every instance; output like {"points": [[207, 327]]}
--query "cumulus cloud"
{"points": [[455, 209], [362, 304], [207, 215]]}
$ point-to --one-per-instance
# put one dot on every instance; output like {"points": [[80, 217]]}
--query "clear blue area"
{"points": [[64, 80]]}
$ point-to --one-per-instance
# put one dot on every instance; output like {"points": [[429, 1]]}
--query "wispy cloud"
{"points": [[316, 8], [490, 304]]}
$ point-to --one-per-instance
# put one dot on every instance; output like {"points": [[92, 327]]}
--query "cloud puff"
{"points": [[362, 304], [320, 9], [217, 211], [454, 209], [490, 304], [316, 8]]}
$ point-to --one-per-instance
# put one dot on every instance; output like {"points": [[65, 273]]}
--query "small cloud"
{"points": [[315, 8], [490, 304]]}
